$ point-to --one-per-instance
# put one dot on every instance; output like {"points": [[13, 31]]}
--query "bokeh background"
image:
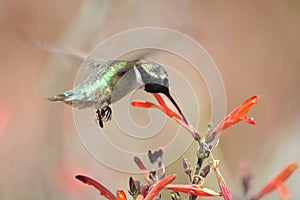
{"points": [[255, 45]]}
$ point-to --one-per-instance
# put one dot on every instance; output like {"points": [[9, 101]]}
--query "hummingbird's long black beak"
{"points": [[157, 88]]}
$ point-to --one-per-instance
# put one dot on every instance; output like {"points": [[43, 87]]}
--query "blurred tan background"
{"points": [[255, 45]]}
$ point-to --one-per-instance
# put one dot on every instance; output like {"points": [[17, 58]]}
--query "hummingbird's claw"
{"points": [[98, 115], [103, 115], [106, 113]]}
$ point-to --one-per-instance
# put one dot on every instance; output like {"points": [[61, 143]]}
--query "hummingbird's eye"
{"points": [[165, 81]]}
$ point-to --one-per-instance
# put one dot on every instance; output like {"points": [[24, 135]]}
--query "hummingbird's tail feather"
{"points": [[73, 99], [61, 97]]}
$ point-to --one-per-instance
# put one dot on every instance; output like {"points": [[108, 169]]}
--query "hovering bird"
{"points": [[111, 81]]}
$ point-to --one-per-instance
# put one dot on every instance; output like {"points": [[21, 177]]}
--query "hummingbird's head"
{"points": [[155, 79], [153, 74]]}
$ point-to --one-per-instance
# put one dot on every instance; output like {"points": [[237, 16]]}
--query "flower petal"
{"points": [[121, 195], [169, 109], [192, 189], [245, 107], [103, 191], [159, 186], [249, 120], [143, 104], [234, 117], [277, 182], [222, 184], [239, 114], [284, 193], [164, 106]]}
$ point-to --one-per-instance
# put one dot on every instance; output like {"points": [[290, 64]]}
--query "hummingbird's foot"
{"points": [[106, 113], [103, 115], [98, 115]]}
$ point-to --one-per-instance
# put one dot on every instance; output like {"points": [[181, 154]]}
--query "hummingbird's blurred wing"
{"points": [[134, 57], [96, 63], [77, 56], [66, 53]]}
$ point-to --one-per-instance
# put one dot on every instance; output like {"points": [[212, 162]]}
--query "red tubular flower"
{"points": [[159, 186], [222, 184], [169, 109], [238, 114], [103, 191], [164, 106], [192, 189], [278, 183], [234, 117]]}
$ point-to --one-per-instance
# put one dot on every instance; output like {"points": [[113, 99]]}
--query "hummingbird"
{"points": [[113, 80]]}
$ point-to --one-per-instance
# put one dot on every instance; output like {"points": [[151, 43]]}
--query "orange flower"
{"points": [[121, 195], [192, 189], [278, 183], [238, 114], [159, 186], [164, 106], [222, 184], [169, 109], [234, 117]]}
